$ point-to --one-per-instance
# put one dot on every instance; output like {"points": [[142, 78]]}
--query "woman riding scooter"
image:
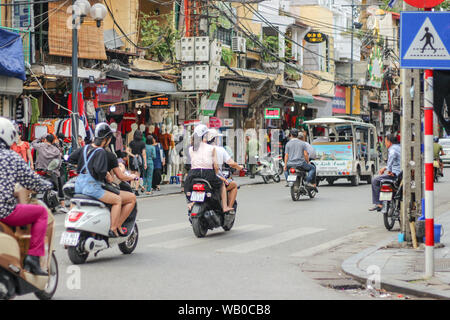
{"points": [[204, 165], [13, 170], [92, 163]]}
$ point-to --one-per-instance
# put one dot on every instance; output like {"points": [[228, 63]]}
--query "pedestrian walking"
{"points": [[150, 151], [136, 155], [158, 164]]}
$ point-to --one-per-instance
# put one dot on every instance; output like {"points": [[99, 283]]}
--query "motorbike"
{"points": [[391, 194], [296, 182], [267, 168], [14, 279], [437, 170], [88, 222], [50, 198], [206, 213]]}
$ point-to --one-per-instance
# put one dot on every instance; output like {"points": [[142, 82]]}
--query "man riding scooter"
{"points": [[296, 156], [13, 170], [224, 158], [438, 152]]}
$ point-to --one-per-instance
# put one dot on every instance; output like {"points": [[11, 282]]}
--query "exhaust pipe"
{"points": [[95, 245]]}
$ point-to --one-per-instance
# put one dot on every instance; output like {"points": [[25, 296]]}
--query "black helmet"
{"points": [[436, 139], [294, 132], [103, 131]]}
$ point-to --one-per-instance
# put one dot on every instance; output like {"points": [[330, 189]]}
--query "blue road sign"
{"points": [[425, 40]]}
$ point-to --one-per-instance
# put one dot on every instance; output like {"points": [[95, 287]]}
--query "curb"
{"points": [[350, 267]]}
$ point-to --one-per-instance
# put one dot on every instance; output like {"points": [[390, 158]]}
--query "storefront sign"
{"points": [[208, 106], [237, 94], [113, 93], [228, 123], [215, 122], [339, 100], [356, 101], [162, 102], [272, 113], [375, 69], [315, 37]]}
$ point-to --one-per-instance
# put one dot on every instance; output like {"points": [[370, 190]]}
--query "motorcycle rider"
{"points": [[47, 151], [297, 157], [92, 161], [128, 198], [391, 171], [224, 157], [438, 152], [13, 170], [204, 165]]}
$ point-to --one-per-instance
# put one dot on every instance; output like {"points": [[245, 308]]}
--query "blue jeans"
{"points": [[310, 168]]}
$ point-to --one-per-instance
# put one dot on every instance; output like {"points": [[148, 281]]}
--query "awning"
{"points": [[301, 95], [151, 86], [323, 99], [10, 86]]}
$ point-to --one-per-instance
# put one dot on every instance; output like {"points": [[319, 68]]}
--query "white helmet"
{"points": [[200, 130], [8, 132], [213, 133]]}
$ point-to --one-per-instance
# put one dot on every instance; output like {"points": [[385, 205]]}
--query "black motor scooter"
{"points": [[391, 194], [206, 213]]}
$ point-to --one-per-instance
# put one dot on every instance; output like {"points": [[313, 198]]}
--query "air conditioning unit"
{"points": [[238, 44]]}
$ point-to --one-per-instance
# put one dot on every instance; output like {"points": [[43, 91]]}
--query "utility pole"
{"points": [[74, 114], [411, 140], [351, 59]]}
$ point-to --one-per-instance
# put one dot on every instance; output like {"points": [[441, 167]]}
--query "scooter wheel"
{"points": [[52, 283], [75, 256], [128, 246]]}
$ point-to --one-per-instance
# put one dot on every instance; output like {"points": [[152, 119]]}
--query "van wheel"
{"points": [[330, 181], [356, 178]]}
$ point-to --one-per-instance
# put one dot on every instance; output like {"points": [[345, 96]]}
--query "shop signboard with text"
{"points": [[272, 113], [339, 100], [162, 102], [237, 94], [209, 105]]}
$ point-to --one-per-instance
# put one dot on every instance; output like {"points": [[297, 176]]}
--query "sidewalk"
{"points": [[403, 269], [167, 189]]}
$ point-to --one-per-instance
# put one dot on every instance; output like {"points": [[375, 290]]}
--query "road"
{"points": [[276, 249]]}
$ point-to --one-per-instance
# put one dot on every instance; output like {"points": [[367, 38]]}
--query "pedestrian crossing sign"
{"points": [[425, 40]]}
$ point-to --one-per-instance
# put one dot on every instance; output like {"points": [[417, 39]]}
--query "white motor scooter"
{"points": [[267, 168], [87, 225]]}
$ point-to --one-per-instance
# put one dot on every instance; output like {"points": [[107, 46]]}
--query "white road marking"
{"points": [[271, 241], [189, 241], [162, 229], [327, 245]]}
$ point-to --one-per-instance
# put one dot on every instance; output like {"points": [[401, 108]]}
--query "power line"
{"points": [[26, 3], [256, 41]]}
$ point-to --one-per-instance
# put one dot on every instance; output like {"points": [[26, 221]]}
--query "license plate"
{"points": [[292, 178], [385, 196], [197, 196], [69, 238]]}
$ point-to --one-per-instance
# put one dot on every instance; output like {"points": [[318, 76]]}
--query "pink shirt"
{"points": [[203, 157]]}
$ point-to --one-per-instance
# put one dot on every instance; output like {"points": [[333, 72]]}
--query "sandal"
{"points": [[112, 234], [122, 232]]}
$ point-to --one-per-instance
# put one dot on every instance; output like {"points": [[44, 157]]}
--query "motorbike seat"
{"points": [[387, 181], [9, 230], [82, 199]]}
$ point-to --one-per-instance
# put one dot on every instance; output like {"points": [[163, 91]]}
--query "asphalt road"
{"points": [[259, 258]]}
